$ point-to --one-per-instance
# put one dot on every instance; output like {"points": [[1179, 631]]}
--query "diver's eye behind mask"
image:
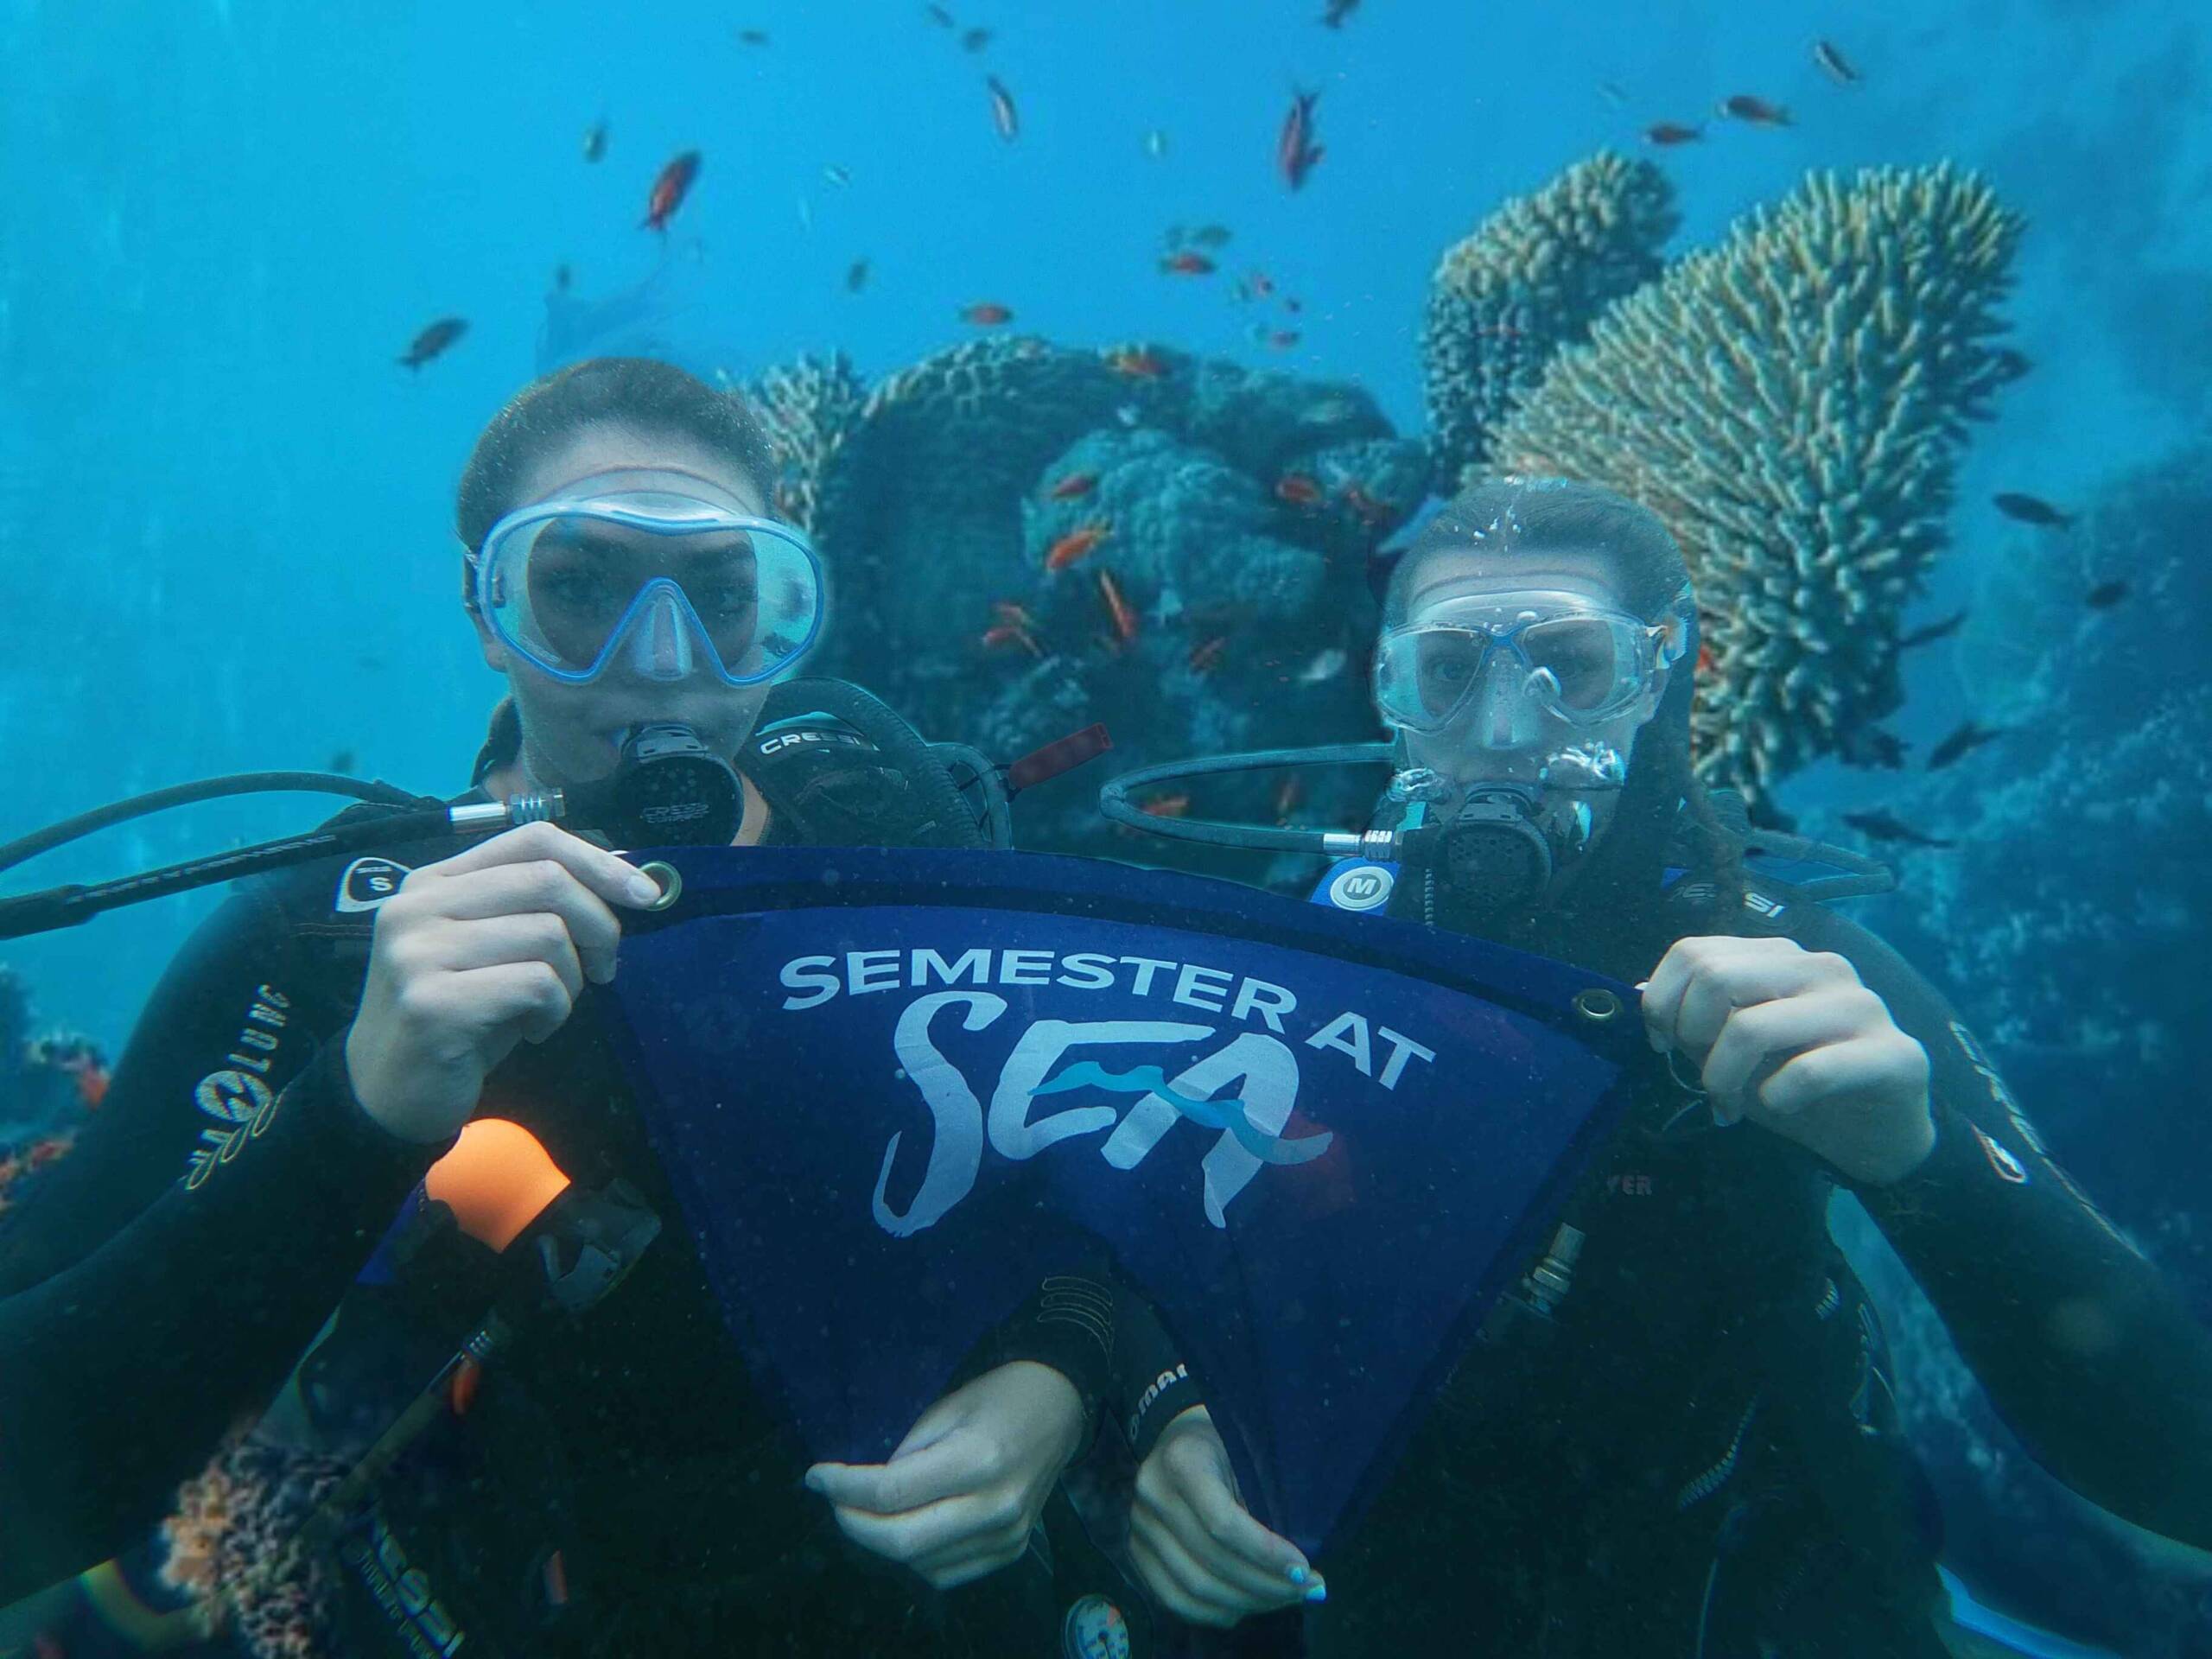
{"points": [[1585, 667], [669, 584]]}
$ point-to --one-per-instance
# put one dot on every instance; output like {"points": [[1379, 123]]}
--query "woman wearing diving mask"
{"points": [[618, 1485], [1695, 1451]]}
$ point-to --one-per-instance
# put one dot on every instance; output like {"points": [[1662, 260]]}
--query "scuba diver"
{"points": [[595, 1470], [1689, 1445]]}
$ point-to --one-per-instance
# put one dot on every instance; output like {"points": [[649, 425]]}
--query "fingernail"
{"points": [[1319, 1592], [814, 1480], [1298, 1574], [644, 890], [1658, 1043], [1642, 984]]}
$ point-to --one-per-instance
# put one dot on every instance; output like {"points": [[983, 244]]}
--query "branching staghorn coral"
{"points": [[1792, 403], [1532, 278]]}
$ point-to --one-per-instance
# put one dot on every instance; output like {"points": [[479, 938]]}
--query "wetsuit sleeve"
{"points": [[2088, 1354], [164, 1318], [1098, 1331]]}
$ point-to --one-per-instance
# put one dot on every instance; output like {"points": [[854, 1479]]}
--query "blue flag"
{"points": [[896, 1090]]}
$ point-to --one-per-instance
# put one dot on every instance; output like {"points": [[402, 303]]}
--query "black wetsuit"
{"points": [[1696, 1454], [629, 1440]]}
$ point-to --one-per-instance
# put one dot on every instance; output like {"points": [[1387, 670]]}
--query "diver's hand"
{"points": [[473, 954], [1791, 1038], [1194, 1544], [960, 1495]]}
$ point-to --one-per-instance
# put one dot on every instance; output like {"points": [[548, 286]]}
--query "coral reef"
{"points": [[809, 408], [1792, 403], [1047, 536], [48, 1080], [1532, 278], [233, 1544], [2067, 926]]}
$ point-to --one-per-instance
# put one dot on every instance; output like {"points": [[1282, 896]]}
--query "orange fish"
{"points": [[1011, 633], [1185, 263], [1205, 656], [1117, 609], [1664, 133], [986, 313], [1138, 365], [1006, 611], [91, 1086], [1757, 110], [1074, 484], [460, 1389], [669, 190], [1704, 659], [1073, 545], [1167, 806], [1298, 488], [1368, 510]]}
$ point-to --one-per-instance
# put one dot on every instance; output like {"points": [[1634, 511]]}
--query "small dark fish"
{"points": [[1834, 63], [669, 190], [341, 760], [752, 37], [2106, 595], [563, 279], [1187, 263], [434, 340], [1004, 116], [837, 175], [595, 140], [2012, 364], [373, 664], [1869, 745], [1757, 110], [857, 276], [1666, 133], [1337, 10], [1881, 826], [976, 40], [1212, 235], [939, 16], [1932, 633], [1283, 340], [1968, 737], [1296, 153], [2032, 510], [986, 313]]}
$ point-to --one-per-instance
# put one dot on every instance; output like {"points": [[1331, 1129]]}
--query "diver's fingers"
{"points": [[527, 1000], [1756, 1041], [544, 887], [1263, 1563], [536, 936], [1189, 1590], [612, 879], [946, 1530], [1192, 1516], [949, 1569], [939, 1469], [1701, 979]]}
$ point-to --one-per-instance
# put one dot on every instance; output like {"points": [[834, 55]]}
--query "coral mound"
{"points": [[1532, 278], [1792, 403]]}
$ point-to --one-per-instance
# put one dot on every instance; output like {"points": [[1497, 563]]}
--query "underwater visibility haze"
{"points": [[1098, 390]]}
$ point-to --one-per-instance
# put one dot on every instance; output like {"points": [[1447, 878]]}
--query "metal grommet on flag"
{"points": [[670, 880], [1596, 1005]]}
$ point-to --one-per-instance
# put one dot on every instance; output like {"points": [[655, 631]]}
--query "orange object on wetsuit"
{"points": [[497, 1179]]}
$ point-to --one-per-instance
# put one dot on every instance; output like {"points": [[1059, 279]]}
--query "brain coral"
{"points": [[1791, 402], [810, 409], [1531, 279]]}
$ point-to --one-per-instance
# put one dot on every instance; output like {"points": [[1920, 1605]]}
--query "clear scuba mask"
{"points": [[662, 582], [1497, 664]]}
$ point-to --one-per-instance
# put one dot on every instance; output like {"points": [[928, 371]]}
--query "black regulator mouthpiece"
{"points": [[1492, 855], [667, 789]]}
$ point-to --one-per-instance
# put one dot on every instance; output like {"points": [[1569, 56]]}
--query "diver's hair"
{"points": [[1507, 516], [640, 394]]}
